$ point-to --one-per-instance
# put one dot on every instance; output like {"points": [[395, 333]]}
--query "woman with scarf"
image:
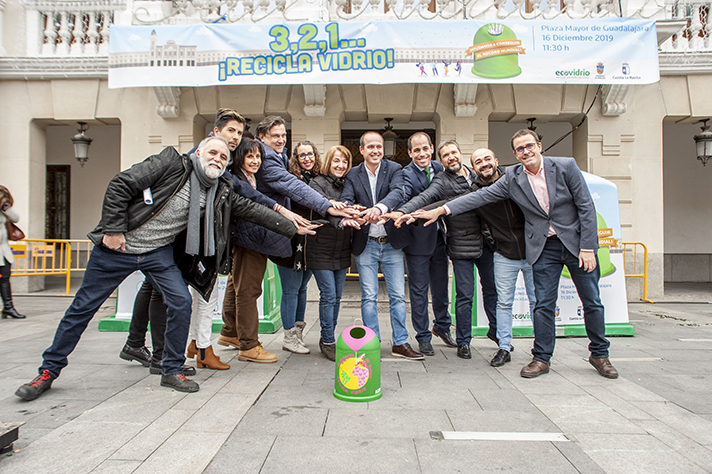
{"points": [[329, 251], [293, 272], [7, 213]]}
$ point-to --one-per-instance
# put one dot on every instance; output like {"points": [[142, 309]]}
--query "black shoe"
{"points": [[179, 382], [463, 351], [446, 337], [34, 389], [500, 358], [495, 339], [156, 368], [140, 355], [426, 348]]}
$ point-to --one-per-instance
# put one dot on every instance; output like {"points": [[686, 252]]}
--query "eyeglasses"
{"points": [[306, 155], [527, 147]]}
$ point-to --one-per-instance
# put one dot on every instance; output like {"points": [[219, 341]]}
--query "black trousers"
{"points": [[148, 306]]}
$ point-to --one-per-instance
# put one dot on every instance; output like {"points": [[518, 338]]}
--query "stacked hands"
{"points": [[374, 216], [359, 215], [338, 209], [304, 226]]}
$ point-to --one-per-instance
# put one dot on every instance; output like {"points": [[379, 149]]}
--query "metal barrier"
{"points": [[626, 248], [45, 257]]}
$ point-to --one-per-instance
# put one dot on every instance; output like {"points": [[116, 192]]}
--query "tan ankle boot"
{"points": [[291, 343], [207, 358], [192, 350]]}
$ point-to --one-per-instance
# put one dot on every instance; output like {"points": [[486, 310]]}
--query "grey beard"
{"points": [[211, 172], [454, 169]]}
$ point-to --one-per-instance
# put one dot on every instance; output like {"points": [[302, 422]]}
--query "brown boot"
{"points": [[229, 341], [192, 350], [207, 358]]}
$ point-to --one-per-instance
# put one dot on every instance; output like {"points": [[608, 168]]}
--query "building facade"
{"points": [[54, 68]]}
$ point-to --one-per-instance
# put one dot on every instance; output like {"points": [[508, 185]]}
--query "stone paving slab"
{"points": [[386, 423], [243, 454], [625, 453], [152, 437], [359, 455], [491, 456], [700, 455], [502, 421], [184, 452]]}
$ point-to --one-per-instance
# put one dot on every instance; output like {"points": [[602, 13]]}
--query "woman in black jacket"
{"points": [[329, 251], [293, 272]]}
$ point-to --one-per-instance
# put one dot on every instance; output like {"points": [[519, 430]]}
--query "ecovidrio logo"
{"points": [[573, 73]]}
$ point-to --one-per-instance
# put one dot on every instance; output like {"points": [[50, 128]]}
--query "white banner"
{"points": [[584, 51]]}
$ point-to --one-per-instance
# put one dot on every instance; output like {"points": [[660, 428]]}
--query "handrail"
{"points": [[45, 257], [643, 275]]}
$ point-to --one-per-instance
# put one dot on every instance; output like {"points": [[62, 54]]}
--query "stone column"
{"points": [[626, 148], [466, 122]]}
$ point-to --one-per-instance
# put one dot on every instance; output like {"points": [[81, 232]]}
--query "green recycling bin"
{"points": [[358, 365]]}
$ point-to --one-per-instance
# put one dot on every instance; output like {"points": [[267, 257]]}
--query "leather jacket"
{"points": [[165, 174]]}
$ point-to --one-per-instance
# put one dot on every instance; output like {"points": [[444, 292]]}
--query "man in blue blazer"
{"points": [[425, 255], [377, 184], [560, 229]]}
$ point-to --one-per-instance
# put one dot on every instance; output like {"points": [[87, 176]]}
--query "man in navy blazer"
{"points": [[425, 255], [378, 184], [560, 229]]}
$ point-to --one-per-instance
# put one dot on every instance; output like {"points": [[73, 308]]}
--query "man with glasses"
{"points": [[561, 229]]}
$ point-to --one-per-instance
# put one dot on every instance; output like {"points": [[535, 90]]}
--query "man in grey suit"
{"points": [[560, 229]]}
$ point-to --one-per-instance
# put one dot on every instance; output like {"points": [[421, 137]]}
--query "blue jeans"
{"points": [[391, 261], [506, 272], [464, 272], [547, 272], [106, 269], [331, 284], [429, 271], [294, 295]]}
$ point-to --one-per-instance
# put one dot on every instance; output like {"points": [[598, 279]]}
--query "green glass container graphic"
{"points": [[358, 365], [496, 67], [604, 254]]}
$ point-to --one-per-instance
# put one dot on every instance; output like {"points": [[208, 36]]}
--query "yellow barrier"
{"points": [[626, 247], [44, 257]]}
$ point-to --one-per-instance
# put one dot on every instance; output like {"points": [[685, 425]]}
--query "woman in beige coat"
{"points": [[6, 258]]}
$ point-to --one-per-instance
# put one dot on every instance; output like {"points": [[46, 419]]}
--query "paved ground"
{"points": [[105, 415]]}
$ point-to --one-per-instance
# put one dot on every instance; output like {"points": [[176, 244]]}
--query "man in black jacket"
{"points": [[163, 238], [465, 244], [506, 224]]}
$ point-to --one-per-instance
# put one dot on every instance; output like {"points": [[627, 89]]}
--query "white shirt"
{"points": [[375, 230]]}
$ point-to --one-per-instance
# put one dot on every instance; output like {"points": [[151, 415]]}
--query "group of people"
{"points": [[232, 203]]}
